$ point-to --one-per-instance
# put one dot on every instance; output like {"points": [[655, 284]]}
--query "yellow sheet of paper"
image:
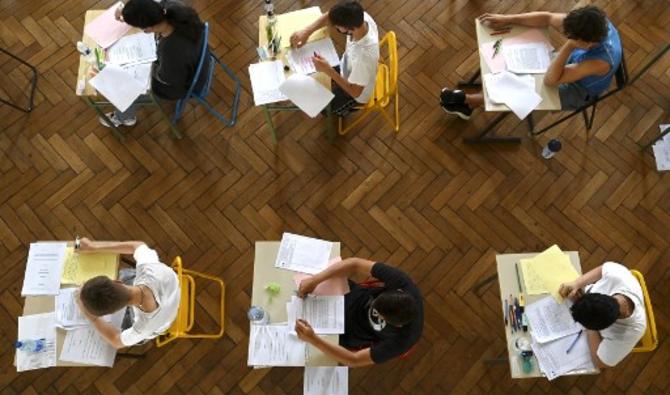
{"points": [[532, 282], [293, 21], [546, 272], [80, 267]]}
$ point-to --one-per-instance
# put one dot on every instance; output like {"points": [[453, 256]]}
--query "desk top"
{"points": [[509, 285], [264, 273], [289, 23], [550, 99], [84, 66]]}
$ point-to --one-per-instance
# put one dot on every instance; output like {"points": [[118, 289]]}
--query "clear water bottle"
{"points": [[552, 147], [31, 345], [258, 316]]}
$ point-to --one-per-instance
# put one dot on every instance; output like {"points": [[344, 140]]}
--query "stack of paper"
{"points": [[85, 345], [290, 22], [105, 30], [273, 345], [517, 92], [68, 315], [554, 332], [300, 59], [303, 254], [326, 381], [324, 313], [43, 269], [133, 49], [332, 286], [34, 327], [531, 58], [662, 150], [80, 267], [306, 93], [266, 77], [546, 272]]}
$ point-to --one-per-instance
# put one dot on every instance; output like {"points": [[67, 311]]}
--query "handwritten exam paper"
{"points": [[532, 58], [119, 87], [43, 268], [85, 345], [33, 327], [67, 312], [80, 267], [330, 287], [303, 254], [300, 59], [554, 361], [273, 345], [326, 381], [266, 77], [306, 93], [105, 30], [545, 272], [133, 49], [549, 320], [324, 313]]}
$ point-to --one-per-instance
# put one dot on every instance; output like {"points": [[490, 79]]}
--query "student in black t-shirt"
{"points": [[179, 33], [381, 323]]}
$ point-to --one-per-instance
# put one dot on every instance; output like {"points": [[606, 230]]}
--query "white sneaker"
{"points": [[117, 122]]}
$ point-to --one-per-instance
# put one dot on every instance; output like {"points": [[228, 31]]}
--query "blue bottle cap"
{"points": [[554, 145]]}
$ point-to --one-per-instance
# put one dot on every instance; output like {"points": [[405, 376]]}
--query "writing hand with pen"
{"points": [[321, 64]]}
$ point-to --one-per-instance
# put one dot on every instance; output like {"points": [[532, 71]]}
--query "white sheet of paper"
{"points": [[549, 320], [303, 254], [554, 361], [324, 313], [306, 93], [531, 58], [514, 91], [33, 327], [43, 268], [119, 87], [133, 49], [326, 380], [662, 155], [662, 128], [85, 345], [300, 59], [273, 345], [266, 77], [67, 312], [141, 73]]}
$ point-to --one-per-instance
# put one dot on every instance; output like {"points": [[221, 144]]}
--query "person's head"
{"points": [[346, 16], [151, 17], [396, 307], [586, 25], [101, 295], [595, 311]]}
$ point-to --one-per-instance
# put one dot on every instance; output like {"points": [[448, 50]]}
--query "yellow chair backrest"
{"points": [[649, 340], [387, 71]]}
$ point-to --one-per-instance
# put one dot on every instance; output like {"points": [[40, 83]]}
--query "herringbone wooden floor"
{"points": [[420, 199]]}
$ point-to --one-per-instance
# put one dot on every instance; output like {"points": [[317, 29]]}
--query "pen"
{"points": [[499, 32], [522, 308], [574, 342], [505, 311], [496, 47], [518, 313], [518, 278]]}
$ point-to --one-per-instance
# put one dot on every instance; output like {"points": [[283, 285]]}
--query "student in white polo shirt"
{"points": [[354, 79], [612, 311], [152, 295]]}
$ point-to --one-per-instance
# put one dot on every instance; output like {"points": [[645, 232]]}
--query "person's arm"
{"points": [[115, 247], [573, 289], [594, 339], [529, 19], [344, 268], [299, 38], [321, 64], [106, 330], [340, 354], [560, 73]]}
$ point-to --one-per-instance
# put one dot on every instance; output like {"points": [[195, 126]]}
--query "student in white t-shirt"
{"points": [[612, 311], [354, 81], [153, 296]]}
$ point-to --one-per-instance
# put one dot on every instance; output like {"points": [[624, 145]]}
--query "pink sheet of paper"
{"points": [[497, 63], [105, 29], [334, 286], [529, 36]]}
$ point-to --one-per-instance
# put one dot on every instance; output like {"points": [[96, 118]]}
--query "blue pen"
{"points": [[574, 342], [517, 311]]}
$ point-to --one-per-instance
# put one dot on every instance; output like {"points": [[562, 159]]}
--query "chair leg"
{"points": [[178, 110], [397, 110], [593, 115], [173, 128], [100, 113]]}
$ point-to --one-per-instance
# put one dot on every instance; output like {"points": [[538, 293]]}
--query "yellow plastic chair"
{"points": [[181, 328], [386, 88], [649, 340]]}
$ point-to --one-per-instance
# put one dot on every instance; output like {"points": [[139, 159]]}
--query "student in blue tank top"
{"points": [[582, 69]]}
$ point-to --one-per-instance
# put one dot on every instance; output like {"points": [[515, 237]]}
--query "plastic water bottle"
{"points": [[31, 345], [552, 147], [258, 316]]}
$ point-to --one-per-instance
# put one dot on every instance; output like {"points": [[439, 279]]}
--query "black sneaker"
{"points": [[453, 102]]}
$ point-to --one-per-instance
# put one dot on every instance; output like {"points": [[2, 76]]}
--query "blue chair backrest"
{"points": [[203, 55]]}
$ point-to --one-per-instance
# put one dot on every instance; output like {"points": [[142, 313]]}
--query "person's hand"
{"points": [[299, 38], [321, 64], [570, 290], [85, 244], [306, 287], [571, 44], [118, 13], [304, 331], [494, 21]]}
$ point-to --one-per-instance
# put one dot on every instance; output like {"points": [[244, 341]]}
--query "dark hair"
{"points": [[101, 296], [586, 23], [595, 311], [147, 13], [346, 13], [397, 307]]}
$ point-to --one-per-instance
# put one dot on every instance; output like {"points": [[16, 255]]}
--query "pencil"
{"points": [[499, 32]]}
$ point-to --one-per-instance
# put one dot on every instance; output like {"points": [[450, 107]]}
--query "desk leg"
{"points": [[173, 128], [531, 124], [472, 82], [482, 137], [100, 113], [268, 119], [330, 131]]}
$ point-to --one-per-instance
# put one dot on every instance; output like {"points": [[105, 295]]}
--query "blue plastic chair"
{"points": [[204, 91]]}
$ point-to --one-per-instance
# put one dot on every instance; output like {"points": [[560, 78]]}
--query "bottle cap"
{"points": [[554, 145]]}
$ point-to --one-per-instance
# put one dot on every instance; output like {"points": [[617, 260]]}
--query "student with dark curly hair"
{"points": [[612, 311], [582, 69]]}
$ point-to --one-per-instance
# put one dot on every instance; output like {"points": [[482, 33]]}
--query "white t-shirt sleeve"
{"points": [[363, 70], [611, 352], [143, 254], [131, 337]]}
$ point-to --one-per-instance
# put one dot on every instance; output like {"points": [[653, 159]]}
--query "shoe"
{"points": [[117, 122], [453, 102]]}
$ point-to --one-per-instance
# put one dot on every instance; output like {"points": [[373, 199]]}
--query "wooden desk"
{"points": [[265, 273], [509, 285], [289, 23], [90, 95]]}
